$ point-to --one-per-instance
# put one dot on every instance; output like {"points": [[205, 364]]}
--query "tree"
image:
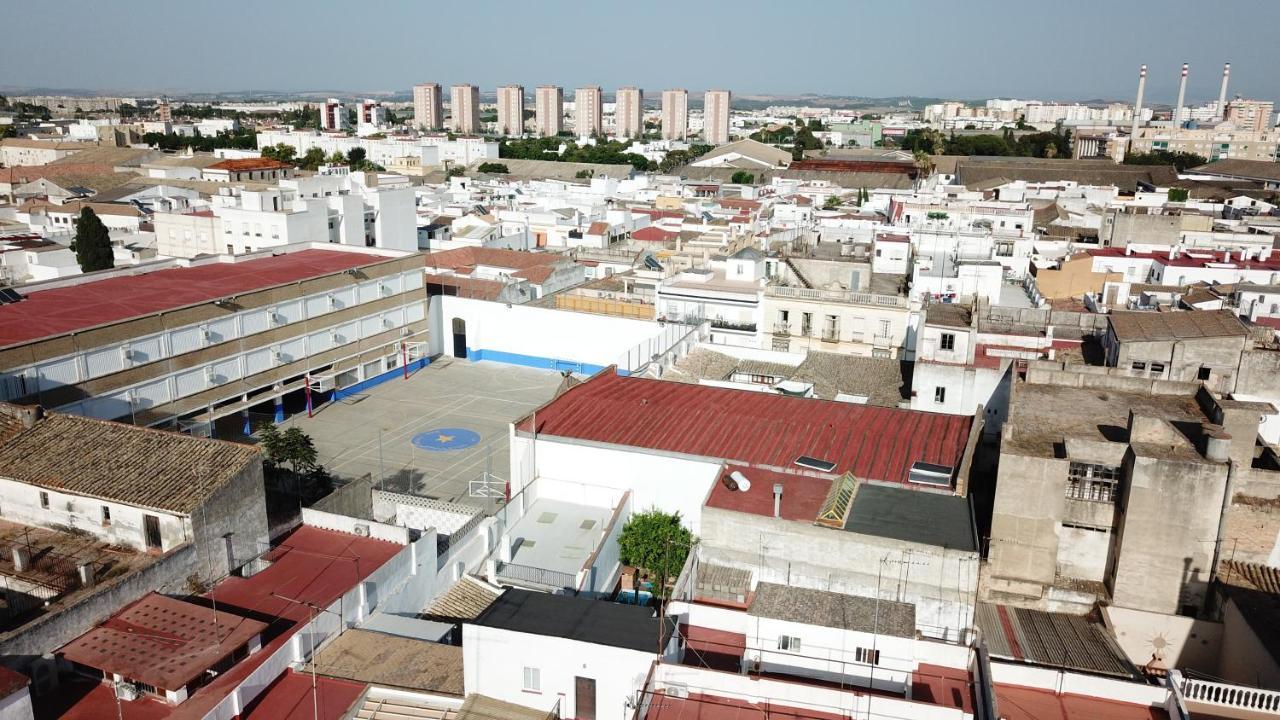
{"points": [[281, 152], [356, 156], [584, 174], [337, 158], [291, 447], [312, 159], [92, 243], [1178, 194], [492, 167], [833, 202], [456, 172], [742, 177], [657, 542], [1180, 160]]}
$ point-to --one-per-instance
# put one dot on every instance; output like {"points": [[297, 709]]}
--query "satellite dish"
{"points": [[743, 483]]}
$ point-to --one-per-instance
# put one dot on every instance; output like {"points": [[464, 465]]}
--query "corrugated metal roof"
{"points": [[762, 429], [1053, 639]]}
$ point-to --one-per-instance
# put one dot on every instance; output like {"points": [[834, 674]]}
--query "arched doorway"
{"points": [[459, 338]]}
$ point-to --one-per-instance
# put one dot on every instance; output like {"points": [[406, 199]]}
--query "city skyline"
{"points": [[945, 60]]}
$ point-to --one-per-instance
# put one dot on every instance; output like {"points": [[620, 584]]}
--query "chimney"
{"points": [[777, 499], [1137, 106], [85, 572], [1222, 93], [21, 558], [1182, 95]]}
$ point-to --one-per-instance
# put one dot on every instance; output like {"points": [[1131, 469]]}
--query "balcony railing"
{"points": [[840, 296], [830, 335], [540, 577], [729, 325], [781, 328], [1233, 696]]}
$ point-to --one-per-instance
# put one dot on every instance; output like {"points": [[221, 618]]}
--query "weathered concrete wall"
{"points": [[1189, 644], [1166, 532], [26, 644], [1259, 373], [1248, 662], [231, 528], [940, 582], [1183, 360], [1030, 499], [1253, 531]]}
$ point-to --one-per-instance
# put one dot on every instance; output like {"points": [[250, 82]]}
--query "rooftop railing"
{"points": [[841, 296], [1232, 696]]}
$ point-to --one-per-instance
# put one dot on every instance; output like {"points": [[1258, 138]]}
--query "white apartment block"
{"points": [[588, 111], [1211, 143], [629, 112], [511, 110], [371, 112], [549, 110], [428, 107], [333, 116], [715, 116], [675, 114], [404, 155], [464, 109]]}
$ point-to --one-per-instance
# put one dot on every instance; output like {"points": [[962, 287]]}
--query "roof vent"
{"points": [[738, 481], [924, 473], [814, 463]]}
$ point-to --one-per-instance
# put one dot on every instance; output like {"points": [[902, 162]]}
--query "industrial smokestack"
{"points": [[1182, 95], [1222, 93], [1137, 106]]}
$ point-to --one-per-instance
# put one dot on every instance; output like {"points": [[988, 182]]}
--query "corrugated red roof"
{"points": [[653, 233], [113, 299], [290, 698], [802, 495], [496, 257], [875, 443], [247, 164]]}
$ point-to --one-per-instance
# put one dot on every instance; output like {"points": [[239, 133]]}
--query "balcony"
{"points": [[719, 324], [831, 335], [781, 328], [840, 296]]}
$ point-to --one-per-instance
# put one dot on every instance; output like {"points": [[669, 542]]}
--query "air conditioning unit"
{"points": [[209, 335], [211, 375], [385, 290], [278, 319], [335, 337], [279, 357], [130, 355], [361, 529], [388, 322], [126, 691], [333, 303], [676, 689]]}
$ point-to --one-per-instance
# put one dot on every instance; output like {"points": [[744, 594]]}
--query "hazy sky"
{"points": [[948, 48]]}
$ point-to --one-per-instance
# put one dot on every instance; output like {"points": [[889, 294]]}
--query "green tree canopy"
{"points": [[657, 542], [742, 177], [1180, 160], [290, 447], [281, 152], [312, 159], [92, 243], [492, 167]]}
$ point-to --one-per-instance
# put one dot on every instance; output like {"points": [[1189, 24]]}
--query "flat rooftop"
{"points": [[1023, 703], [751, 428], [290, 698], [576, 618], [57, 311], [1042, 415], [802, 495], [714, 707], [373, 432], [558, 535], [919, 516], [376, 658], [834, 610]]}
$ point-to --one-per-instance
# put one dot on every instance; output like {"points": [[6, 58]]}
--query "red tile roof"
{"points": [[67, 309], [598, 228], [653, 233], [496, 257], [757, 429], [855, 166], [289, 698], [162, 641], [1022, 703], [247, 164], [802, 495]]}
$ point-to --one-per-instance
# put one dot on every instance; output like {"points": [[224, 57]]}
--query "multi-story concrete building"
{"points": [[1250, 115], [371, 112], [428, 106], [1212, 143], [464, 109], [715, 116], [675, 114], [201, 339], [511, 110], [588, 111], [628, 112], [333, 116], [404, 155], [549, 110]]}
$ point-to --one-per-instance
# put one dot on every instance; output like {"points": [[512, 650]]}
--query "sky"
{"points": [[961, 49]]}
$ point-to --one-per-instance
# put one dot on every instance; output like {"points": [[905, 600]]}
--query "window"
{"points": [[106, 515], [1204, 373], [1139, 366], [867, 656], [1096, 483], [884, 328], [532, 679], [1157, 367], [790, 643], [948, 341], [44, 500], [939, 394]]}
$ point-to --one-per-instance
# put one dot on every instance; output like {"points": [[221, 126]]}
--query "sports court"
{"points": [[433, 434]]}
